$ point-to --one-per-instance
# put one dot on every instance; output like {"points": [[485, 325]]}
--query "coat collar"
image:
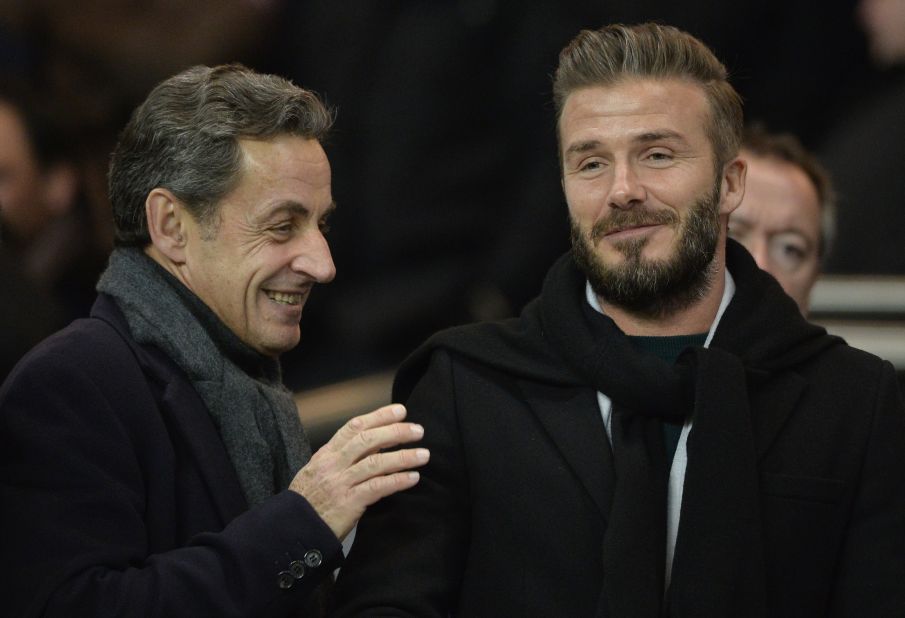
{"points": [[185, 414]]}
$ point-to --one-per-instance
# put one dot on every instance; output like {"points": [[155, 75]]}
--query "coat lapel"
{"points": [[185, 414], [571, 418], [773, 398]]}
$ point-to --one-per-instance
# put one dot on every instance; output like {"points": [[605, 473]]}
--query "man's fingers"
{"points": [[373, 440], [385, 464], [386, 415], [379, 487]]}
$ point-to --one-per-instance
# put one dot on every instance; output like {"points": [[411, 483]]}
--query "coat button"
{"points": [[313, 558], [297, 568], [285, 580]]}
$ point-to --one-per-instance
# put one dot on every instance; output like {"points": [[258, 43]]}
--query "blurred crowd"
{"points": [[444, 165]]}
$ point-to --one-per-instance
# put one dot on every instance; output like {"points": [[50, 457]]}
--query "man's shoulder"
{"points": [[845, 359], [438, 354], [84, 343], [504, 351], [97, 350]]}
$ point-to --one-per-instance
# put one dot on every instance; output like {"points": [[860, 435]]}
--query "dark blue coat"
{"points": [[117, 496]]}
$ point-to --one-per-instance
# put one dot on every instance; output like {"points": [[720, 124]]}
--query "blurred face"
{"points": [[257, 267], [21, 205], [646, 204], [884, 23], [778, 221]]}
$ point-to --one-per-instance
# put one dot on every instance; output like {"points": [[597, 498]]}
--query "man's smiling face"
{"points": [[255, 265], [644, 194]]}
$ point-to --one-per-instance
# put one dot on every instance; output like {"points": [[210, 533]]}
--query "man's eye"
{"points": [[792, 252], [788, 254], [283, 229], [659, 157], [590, 166], [324, 226]]}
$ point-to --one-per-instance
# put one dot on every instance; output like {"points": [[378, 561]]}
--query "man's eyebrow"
{"points": [[644, 138], [296, 208], [583, 146], [658, 135]]}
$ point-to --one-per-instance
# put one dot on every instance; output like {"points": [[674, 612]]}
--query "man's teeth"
{"points": [[286, 299]]}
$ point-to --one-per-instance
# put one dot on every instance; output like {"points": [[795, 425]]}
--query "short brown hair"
{"points": [[787, 148], [613, 53], [185, 138]]}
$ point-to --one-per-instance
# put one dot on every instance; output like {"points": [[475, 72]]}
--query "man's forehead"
{"points": [[275, 149], [630, 93], [780, 194], [642, 108], [285, 175]]}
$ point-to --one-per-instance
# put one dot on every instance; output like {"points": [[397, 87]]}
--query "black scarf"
{"points": [[718, 567]]}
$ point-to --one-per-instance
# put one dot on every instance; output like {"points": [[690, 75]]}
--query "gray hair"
{"points": [[613, 53], [184, 138]]}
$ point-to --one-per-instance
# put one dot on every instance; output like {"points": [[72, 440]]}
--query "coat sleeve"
{"points": [[871, 574], [75, 464], [410, 548]]}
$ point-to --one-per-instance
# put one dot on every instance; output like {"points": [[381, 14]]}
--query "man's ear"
{"points": [[167, 224], [732, 189]]}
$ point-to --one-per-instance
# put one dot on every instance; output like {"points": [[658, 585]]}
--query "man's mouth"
{"points": [[284, 298], [628, 228], [629, 221]]}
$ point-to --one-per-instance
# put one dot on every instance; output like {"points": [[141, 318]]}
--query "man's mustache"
{"points": [[625, 219]]}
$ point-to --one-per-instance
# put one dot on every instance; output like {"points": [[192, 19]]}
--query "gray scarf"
{"points": [[254, 413]]}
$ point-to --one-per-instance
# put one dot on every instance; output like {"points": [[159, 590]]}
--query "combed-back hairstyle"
{"points": [[617, 52], [184, 138], [787, 148]]}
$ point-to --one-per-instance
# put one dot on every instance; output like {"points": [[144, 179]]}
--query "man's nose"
{"points": [[313, 257], [627, 189]]}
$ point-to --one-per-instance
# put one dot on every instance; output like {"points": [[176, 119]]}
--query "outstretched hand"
{"points": [[349, 473]]}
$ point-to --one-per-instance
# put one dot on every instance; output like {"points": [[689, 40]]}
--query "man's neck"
{"points": [[696, 318]]}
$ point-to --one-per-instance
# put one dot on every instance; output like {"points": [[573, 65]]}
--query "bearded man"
{"points": [[660, 433]]}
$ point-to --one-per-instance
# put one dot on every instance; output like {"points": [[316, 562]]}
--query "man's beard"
{"points": [[654, 288]]}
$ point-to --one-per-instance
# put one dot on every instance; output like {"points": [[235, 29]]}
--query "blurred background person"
{"points": [[48, 261], [865, 153], [69, 75], [787, 218]]}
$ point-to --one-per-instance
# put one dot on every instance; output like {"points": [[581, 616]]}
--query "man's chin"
{"points": [[274, 345]]}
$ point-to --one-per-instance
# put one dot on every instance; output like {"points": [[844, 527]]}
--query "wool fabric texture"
{"points": [[254, 413]]}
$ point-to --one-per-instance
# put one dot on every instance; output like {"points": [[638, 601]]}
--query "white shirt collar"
{"points": [[728, 293]]}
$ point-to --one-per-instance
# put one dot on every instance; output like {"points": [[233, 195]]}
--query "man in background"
{"points": [[787, 217], [151, 461], [864, 152], [48, 260]]}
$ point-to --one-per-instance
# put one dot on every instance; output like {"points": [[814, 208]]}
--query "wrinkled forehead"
{"points": [[634, 108]]}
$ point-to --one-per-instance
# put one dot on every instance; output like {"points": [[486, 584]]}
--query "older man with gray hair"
{"points": [[151, 462]]}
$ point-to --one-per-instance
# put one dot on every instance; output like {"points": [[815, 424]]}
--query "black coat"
{"points": [[117, 496], [510, 515]]}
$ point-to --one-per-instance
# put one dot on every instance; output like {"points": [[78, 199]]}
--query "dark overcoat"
{"points": [[117, 496], [511, 513]]}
